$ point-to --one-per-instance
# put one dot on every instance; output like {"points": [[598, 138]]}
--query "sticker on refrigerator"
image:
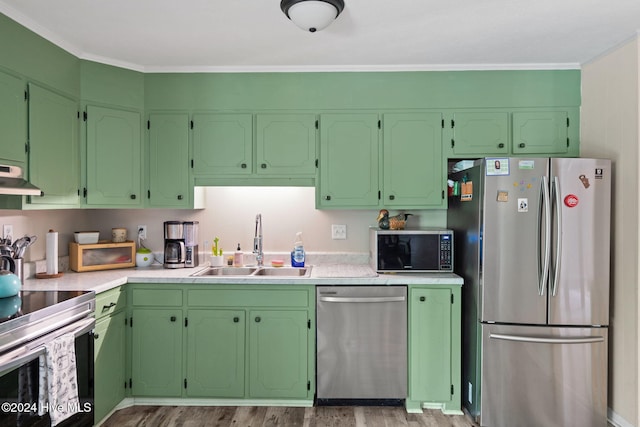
{"points": [[526, 164], [571, 201], [599, 173], [497, 167], [523, 205], [503, 196], [466, 191], [584, 180]]}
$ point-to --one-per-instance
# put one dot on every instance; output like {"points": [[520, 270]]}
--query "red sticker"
{"points": [[571, 201]]}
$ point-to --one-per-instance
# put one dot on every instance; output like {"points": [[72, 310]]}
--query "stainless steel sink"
{"points": [[283, 271], [255, 271], [226, 271]]}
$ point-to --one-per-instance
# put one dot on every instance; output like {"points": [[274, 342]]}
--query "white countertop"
{"points": [[323, 274]]}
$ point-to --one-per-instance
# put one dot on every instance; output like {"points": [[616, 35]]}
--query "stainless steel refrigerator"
{"points": [[532, 244]]}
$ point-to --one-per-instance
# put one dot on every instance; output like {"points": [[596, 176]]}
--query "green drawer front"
{"points": [[248, 298], [110, 301], [157, 297]]}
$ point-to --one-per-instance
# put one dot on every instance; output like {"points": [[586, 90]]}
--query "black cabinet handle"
{"points": [[243, 166], [263, 165], [258, 319], [501, 145], [96, 336], [173, 318], [107, 307], [179, 196], [423, 299], [236, 319], [133, 197], [327, 197], [392, 197], [521, 145]]}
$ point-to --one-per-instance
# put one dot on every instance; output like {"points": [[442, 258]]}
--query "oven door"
{"points": [[19, 379]]}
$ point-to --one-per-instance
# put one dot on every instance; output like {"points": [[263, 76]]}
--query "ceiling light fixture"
{"points": [[312, 15]]}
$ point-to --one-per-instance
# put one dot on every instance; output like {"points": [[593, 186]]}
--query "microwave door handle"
{"points": [[544, 259]]}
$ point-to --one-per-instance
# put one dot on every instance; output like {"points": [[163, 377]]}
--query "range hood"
{"points": [[12, 182]]}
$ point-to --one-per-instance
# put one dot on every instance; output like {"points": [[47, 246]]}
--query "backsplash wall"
{"points": [[229, 214]]}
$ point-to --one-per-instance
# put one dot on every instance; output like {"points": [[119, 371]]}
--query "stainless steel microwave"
{"points": [[417, 251]]}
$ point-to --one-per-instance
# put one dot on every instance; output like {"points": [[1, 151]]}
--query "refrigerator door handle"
{"points": [[545, 209], [555, 192], [542, 340]]}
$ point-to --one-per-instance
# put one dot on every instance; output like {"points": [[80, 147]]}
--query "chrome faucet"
{"points": [[257, 242]]}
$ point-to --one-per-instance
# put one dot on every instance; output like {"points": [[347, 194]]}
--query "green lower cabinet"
{"points": [[215, 353], [109, 358], [156, 365], [434, 348], [278, 353]]}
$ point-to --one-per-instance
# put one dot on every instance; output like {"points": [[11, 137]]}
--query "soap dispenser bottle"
{"points": [[297, 255], [238, 260]]}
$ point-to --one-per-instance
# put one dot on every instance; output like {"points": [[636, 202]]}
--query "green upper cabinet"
{"points": [[349, 157], [412, 160], [475, 132], [169, 161], [54, 151], [286, 145], [541, 132], [222, 144], [113, 164], [13, 119]]}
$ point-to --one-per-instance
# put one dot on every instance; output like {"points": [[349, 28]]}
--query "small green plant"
{"points": [[214, 248]]}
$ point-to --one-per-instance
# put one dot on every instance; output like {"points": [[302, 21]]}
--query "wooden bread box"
{"points": [[102, 256]]}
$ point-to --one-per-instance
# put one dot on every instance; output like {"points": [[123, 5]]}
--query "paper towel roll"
{"points": [[51, 252]]}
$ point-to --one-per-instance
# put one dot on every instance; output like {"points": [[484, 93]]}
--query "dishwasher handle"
{"points": [[363, 299]]}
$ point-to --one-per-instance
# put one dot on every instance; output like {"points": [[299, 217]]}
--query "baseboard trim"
{"points": [[616, 420]]}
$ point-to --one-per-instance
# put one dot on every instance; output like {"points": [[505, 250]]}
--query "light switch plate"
{"points": [[338, 231]]}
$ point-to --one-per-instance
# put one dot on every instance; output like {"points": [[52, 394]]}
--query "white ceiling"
{"points": [[254, 35]]}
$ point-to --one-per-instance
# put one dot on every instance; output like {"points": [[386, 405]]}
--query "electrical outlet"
{"points": [[7, 231], [142, 231], [338, 231]]}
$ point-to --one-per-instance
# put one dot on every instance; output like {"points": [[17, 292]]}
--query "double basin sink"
{"points": [[254, 272]]}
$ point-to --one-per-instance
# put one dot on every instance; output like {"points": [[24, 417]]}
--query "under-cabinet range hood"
{"points": [[12, 182]]}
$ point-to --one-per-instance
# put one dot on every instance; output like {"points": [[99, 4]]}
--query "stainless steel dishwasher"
{"points": [[361, 344]]}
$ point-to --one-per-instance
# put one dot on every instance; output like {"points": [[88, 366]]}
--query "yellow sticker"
{"points": [[503, 196]]}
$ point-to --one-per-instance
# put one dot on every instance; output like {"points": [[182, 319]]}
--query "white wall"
{"points": [[610, 121], [229, 214]]}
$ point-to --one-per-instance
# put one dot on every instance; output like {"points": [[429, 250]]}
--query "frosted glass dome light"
{"points": [[312, 15]]}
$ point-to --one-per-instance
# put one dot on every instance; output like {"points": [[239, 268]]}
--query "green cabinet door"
{"points": [[278, 354], [169, 161], [348, 161], [540, 132], [13, 120], [109, 358], [54, 151], [286, 145], [480, 133], [434, 347], [114, 167], [222, 144], [215, 353], [412, 158], [156, 360]]}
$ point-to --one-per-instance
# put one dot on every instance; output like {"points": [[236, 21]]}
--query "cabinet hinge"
{"points": [[148, 194], [191, 124], [316, 163], [26, 95], [308, 385], [452, 390], [84, 116], [442, 123], [317, 124], [125, 384], [379, 195], [148, 124], [191, 163], [185, 384], [308, 323], [567, 142], [131, 322], [125, 320], [453, 123], [78, 115], [442, 194], [451, 298], [453, 143], [26, 148], [379, 124], [567, 121], [130, 383], [186, 322]]}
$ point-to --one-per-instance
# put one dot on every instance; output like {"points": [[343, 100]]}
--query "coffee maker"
{"points": [[174, 249], [191, 244]]}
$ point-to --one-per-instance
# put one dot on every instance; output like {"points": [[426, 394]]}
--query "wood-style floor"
{"points": [[262, 416]]}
